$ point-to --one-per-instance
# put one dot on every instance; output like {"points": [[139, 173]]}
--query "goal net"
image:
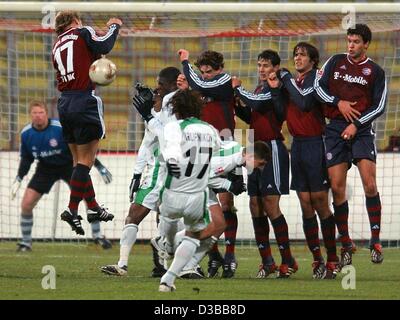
{"points": [[150, 38]]}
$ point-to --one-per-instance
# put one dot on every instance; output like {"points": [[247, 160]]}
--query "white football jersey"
{"points": [[191, 142], [150, 142], [226, 159]]}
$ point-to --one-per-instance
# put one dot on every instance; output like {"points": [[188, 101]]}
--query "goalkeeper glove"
{"points": [[104, 173], [237, 187], [235, 177], [134, 186], [173, 169], [143, 101], [15, 186]]}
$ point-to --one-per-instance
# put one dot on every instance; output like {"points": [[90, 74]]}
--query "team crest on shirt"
{"points": [[329, 156], [53, 143], [366, 71]]}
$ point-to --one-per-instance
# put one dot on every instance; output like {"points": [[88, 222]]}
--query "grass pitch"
{"points": [[78, 276]]}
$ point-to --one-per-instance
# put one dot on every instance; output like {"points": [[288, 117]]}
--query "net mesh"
{"points": [[148, 43]]}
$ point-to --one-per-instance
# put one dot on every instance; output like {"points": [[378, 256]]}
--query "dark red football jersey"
{"points": [[218, 94], [309, 123], [74, 52], [220, 114], [362, 82], [264, 121], [260, 113]]}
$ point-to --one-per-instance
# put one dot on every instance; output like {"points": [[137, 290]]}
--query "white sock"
{"points": [[181, 225], [183, 254], [168, 229], [178, 238], [95, 229], [26, 229], [201, 251], [128, 239]]}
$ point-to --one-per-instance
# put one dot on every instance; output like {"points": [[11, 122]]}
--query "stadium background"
{"points": [[149, 42]]}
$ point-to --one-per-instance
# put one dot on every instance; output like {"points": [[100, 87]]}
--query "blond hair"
{"points": [[37, 103], [64, 19]]}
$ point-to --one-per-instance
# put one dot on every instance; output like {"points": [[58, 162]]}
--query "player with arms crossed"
{"points": [[42, 140], [266, 186], [80, 111], [354, 86], [306, 123], [215, 87]]}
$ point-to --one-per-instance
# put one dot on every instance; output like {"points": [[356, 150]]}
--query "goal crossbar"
{"points": [[195, 7]]}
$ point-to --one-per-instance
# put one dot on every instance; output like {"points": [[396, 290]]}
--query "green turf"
{"points": [[78, 276]]}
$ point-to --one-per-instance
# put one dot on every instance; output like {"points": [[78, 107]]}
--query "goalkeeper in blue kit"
{"points": [[42, 140]]}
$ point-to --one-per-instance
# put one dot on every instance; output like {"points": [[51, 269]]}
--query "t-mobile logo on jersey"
{"points": [[351, 79]]}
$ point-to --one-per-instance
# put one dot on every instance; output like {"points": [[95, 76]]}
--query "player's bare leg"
{"points": [[261, 232], [338, 177], [278, 221], [29, 201], [367, 171]]}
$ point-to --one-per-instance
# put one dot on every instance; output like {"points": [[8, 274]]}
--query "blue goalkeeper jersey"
{"points": [[47, 146]]}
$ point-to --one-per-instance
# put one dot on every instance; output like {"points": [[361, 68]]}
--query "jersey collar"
{"points": [[357, 63], [66, 31]]}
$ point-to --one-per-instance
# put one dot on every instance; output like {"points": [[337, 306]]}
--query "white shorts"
{"points": [[153, 180], [212, 198], [191, 206]]}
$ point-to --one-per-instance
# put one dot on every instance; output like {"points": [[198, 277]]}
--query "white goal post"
{"points": [[203, 7], [150, 37]]}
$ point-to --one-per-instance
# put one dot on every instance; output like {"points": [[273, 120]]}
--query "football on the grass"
{"points": [[102, 71]]}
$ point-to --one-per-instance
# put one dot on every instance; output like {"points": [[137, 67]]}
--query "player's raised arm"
{"points": [[303, 98], [379, 97], [278, 97], [214, 83], [255, 101], [102, 44]]}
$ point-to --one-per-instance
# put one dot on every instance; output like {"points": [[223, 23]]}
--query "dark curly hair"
{"points": [[186, 104], [210, 58], [312, 52]]}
